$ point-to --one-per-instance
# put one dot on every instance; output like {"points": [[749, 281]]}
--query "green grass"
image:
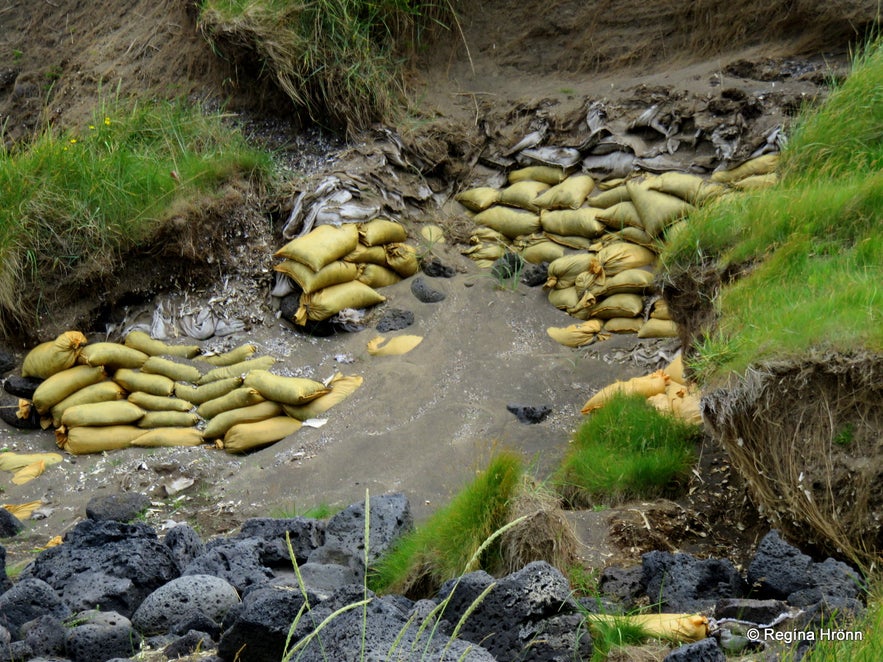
{"points": [[340, 61], [319, 511], [811, 245], [73, 202], [444, 546], [606, 637], [627, 449]]}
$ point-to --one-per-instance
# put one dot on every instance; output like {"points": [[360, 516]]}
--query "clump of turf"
{"points": [[627, 449]]}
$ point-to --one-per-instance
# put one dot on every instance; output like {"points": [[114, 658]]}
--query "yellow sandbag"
{"points": [[218, 426], [571, 241], [11, 461], [105, 391], [374, 275], [235, 370], [538, 248], [235, 355], [62, 384], [672, 627], [381, 231], [144, 343], [657, 210], [761, 165], [28, 473], [167, 419], [364, 254], [564, 271], [246, 436], [322, 245], [111, 354], [575, 335], [569, 194], [635, 236], [402, 258], [684, 403], [174, 370], [149, 402], [478, 199], [660, 402], [49, 358], [630, 281], [646, 386], [83, 440], [196, 395], [509, 222], [238, 397], [654, 328], [488, 235], [433, 234], [660, 310], [488, 252], [618, 256], [323, 304], [522, 194], [692, 188], [757, 182], [564, 298], [573, 222], [396, 346], [23, 510], [96, 414], [312, 281], [546, 174], [618, 305], [134, 380], [169, 436], [620, 215], [610, 197], [285, 390], [341, 388], [675, 370], [623, 324]]}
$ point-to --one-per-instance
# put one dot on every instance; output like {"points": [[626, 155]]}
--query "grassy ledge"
{"points": [[626, 449], [811, 247], [340, 61], [73, 202]]}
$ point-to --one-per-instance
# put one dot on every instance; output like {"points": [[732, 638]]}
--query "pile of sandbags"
{"points": [[103, 396], [667, 390], [338, 267], [600, 239]]}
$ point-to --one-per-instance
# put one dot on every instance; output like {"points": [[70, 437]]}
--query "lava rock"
{"points": [[196, 620], [29, 599], [511, 620], [45, 635], [779, 569], [395, 319], [530, 414], [326, 578], [15, 651], [706, 650], [187, 644], [535, 275], [9, 413], [22, 387], [435, 268], [184, 543], [236, 561], [261, 626], [425, 293], [305, 534], [118, 507], [102, 638], [345, 532], [10, 525], [208, 594], [623, 584], [7, 361], [126, 560], [5, 582], [509, 266], [683, 583]]}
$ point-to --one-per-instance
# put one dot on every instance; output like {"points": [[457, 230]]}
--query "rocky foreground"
{"points": [[115, 588]]}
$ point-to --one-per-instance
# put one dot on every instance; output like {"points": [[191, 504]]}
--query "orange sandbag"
{"points": [[646, 386], [49, 358]]}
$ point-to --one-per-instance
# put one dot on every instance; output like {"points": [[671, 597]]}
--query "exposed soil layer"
{"points": [[424, 421]]}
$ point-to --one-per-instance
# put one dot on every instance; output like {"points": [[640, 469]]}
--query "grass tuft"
{"points": [[627, 449], [72, 203], [445, 546]]}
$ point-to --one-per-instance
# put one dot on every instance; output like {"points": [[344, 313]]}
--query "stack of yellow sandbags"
{"points": [[103, 396], [340, 267]]}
